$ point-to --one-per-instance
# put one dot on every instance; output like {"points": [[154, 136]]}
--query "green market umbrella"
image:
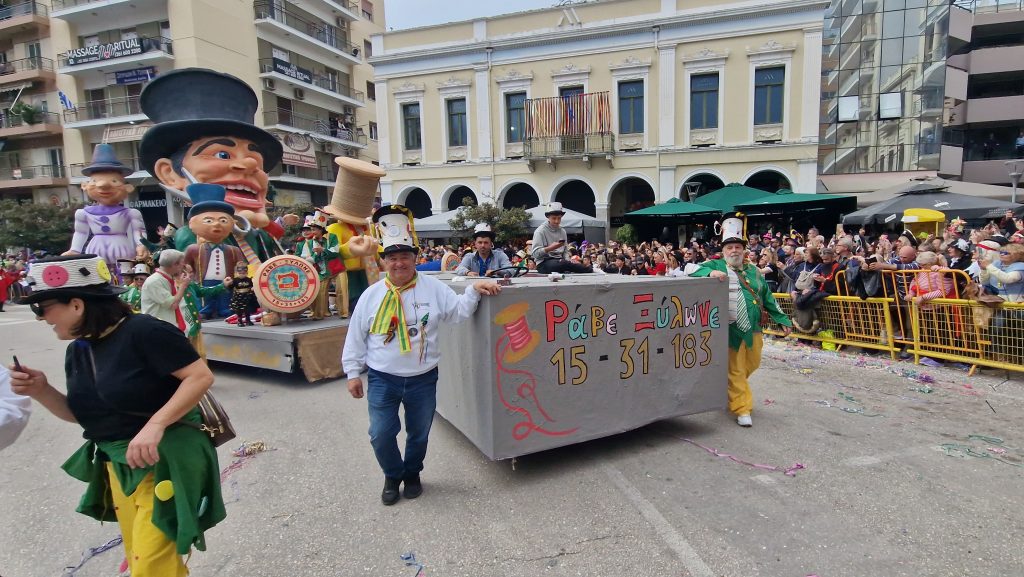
{"points": [[674, 207]]}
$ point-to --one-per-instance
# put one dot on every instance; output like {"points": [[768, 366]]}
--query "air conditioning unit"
{"points": [[349, 109], [327, 147], [268, 84], [300, 94], [340, 22]]}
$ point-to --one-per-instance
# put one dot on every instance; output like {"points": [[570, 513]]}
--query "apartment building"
{"points": [[303, 58], [983, 129], [919, 88], [31, 144], [604, 106]]}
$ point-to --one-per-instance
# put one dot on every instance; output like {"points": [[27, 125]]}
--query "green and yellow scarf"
{"points": [[390, 318]]}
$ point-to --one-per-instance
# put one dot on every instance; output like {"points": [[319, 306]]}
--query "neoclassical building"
{"points": [[604, 106]]}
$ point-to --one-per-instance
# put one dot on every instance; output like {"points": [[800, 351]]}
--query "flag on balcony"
{"points": [[65, 101]]}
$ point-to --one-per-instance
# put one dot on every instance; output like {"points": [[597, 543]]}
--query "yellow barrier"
{"points": [[850, 320], [951, 329]]}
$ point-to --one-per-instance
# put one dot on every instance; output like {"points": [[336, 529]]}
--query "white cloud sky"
{"points": [[412, 13]]}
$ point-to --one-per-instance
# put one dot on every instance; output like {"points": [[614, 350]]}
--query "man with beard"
{"points": [[748, 297]]}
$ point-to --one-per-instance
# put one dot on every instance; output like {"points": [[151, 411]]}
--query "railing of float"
{"points": [[945, 327]]}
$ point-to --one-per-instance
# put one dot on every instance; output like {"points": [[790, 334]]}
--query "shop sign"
{"points": [[111, 50], [136, 76], [292, 71]]}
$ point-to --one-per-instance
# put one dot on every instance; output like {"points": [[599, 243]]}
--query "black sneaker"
{"points": [[413, 488], [390, 496]]}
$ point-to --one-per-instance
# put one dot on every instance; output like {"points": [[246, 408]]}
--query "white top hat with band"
{"points": [[318, 219], [553, 208], [141, 268], [483, 229], [394, 226], [71, 276], [732, 231]]}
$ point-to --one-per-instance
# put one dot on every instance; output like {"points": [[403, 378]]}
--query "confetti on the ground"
{"points": [[244, 453], [410, 561], [963, 451], [788, 471], [90, 553]]}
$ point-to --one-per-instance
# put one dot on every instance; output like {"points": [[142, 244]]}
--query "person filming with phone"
{"points": [[549, 244]]}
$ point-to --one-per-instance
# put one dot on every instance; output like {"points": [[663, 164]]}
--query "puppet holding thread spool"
{"points": [[352, 205], [108, 228]]}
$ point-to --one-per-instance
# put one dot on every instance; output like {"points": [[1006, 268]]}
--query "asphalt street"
{"points": [[899, 478]]}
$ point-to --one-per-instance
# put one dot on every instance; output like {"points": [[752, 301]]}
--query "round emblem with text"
{"points": [[286, 284]]}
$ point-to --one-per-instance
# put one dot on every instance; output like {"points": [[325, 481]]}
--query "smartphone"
{"points": [[17, 365]]}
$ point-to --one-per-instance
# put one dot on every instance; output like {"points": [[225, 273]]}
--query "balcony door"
{"points": [[56, 156], [96, 101], [572, 143], [284, 111]]}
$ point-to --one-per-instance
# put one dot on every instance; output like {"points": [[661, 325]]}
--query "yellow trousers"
{"points": [[150, 553], [320, 306], [742, 364], [341, 294]]}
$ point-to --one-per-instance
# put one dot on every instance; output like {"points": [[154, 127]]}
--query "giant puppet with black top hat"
{"points": [[203, 132], [108, 228], [751, 306]]}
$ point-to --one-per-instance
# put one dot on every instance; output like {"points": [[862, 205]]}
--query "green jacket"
{"points": [[329, 242], [754, 302], [187, 459]]}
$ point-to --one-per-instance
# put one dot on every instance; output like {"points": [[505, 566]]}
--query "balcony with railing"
{"points": [[347, 9], [100, 112], [121, 55], [79, 11], [569, 127], [303, 32], [27, 69], [23, 17], [323, 175], [318, 80], [33, 176], [30, 124], [319, 129]]}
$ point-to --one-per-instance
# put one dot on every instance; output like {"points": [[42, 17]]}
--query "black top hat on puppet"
{"points": [[394, 227], [104, 159], [190, 103], [207, 198], [79, 276]]}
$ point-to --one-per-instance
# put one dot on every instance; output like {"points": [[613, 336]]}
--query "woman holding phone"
{"points": [[132, 380]]}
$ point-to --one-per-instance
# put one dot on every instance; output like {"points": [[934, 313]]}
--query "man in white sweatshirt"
{"points": [[393, 333]]}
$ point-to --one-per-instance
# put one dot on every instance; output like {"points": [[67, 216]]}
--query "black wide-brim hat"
{"points": [[192, 103], [80, 276]]}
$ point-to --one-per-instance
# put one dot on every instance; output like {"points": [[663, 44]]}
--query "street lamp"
{"points": [[1016, 168], [692, 189]]}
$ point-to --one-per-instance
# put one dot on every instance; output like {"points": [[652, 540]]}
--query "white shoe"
{"points": [[744, 421]]}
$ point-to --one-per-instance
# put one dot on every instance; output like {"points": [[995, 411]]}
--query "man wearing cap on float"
{"points": [[203, 129], [352, 205], [319, 248], [213, 259], [113, 231], [393, 334], [549, 244], [486, 258], [748, 297], [133, 296]]}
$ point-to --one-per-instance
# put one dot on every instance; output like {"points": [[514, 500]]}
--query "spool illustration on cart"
{"points": [[286, 284], [518, 342]]}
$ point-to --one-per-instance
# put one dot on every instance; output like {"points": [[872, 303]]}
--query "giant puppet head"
{"points": [[210, 218], [203, 127], [107, 174]]}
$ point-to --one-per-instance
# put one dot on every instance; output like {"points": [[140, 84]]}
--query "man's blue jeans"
{"points": [[384, 392], [216, 306]]}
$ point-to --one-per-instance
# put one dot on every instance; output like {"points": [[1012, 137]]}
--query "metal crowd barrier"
{"points": [[952, 329]]}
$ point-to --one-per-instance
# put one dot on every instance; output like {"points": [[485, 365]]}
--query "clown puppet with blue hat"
{"points": [[212, 259]]}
